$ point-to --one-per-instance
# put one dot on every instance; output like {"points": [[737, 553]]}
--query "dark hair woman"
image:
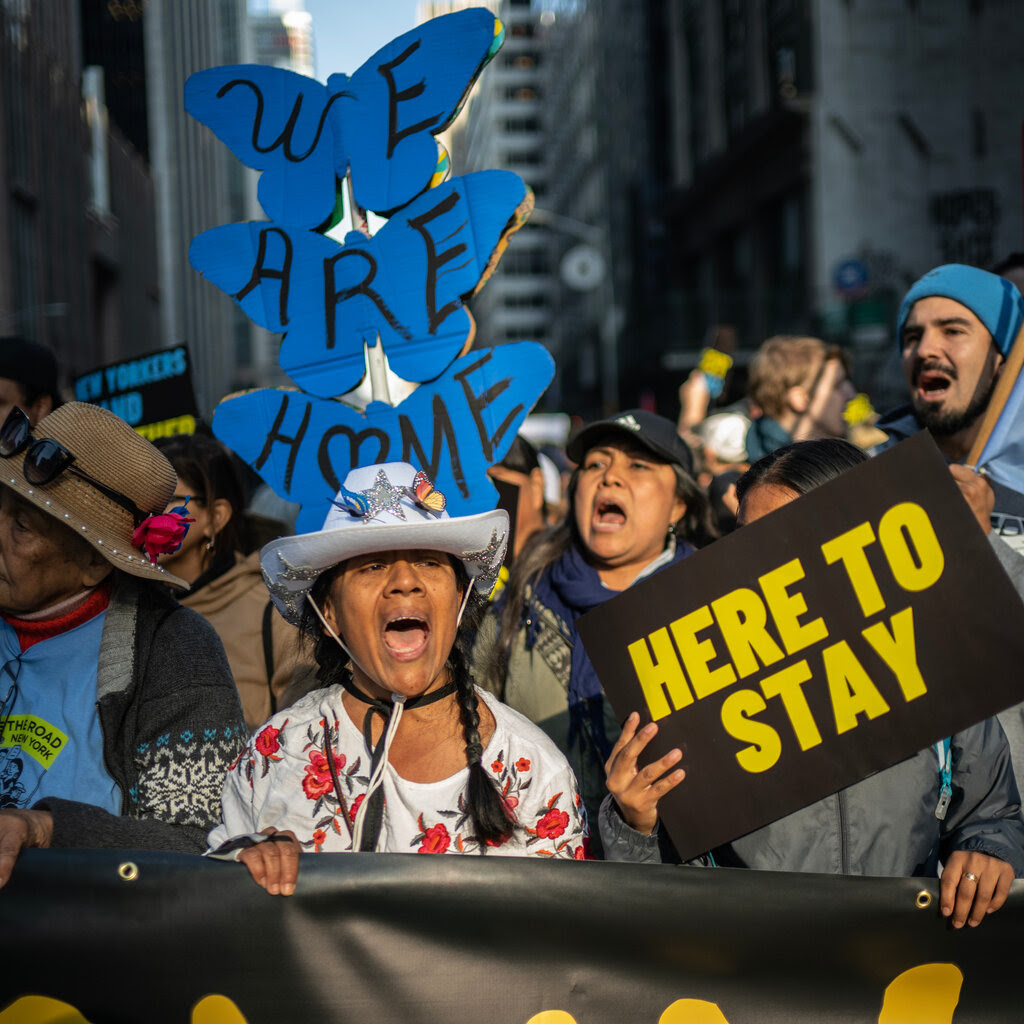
{"points": [[217, 560], [398, 752], [634, 508], [800, 468]]}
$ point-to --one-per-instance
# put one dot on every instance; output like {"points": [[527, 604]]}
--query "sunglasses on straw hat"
{"points": [[46, 459]]}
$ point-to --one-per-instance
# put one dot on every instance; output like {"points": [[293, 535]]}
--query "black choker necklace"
{"points": [[385, 706]]}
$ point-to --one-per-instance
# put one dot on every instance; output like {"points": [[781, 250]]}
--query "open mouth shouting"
{"points": [[406, 637], [933, 381], [609, 515]]}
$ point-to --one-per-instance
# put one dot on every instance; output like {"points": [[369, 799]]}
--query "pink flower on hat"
{"points": [[163, 533]]}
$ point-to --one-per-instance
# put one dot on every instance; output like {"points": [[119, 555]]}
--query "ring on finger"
{"points": [[970, 876]]}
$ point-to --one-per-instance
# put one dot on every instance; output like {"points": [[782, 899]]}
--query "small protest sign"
{"points": [[152, 392], [830, 639]]}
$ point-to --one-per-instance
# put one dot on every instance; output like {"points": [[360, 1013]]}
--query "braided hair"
{"points": [[492, 821]]}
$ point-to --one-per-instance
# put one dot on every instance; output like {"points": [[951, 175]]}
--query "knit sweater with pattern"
{"points": [[171, 724]]}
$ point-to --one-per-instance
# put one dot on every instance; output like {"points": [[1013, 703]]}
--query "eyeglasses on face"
{"points": [[46, 459]]}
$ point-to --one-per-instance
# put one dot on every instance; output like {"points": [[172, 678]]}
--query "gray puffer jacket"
{"points": [[884, 825]]}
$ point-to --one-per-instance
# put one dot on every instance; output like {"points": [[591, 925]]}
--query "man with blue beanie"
{"points": [[956, 327]]}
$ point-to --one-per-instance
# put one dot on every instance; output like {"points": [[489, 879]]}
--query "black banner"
{"points": [[123, 936], [828, 640]]}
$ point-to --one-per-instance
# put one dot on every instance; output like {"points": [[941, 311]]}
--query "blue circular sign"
{"points": [[850, 277]]}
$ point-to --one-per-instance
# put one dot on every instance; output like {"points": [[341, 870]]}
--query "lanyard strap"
{"points": [[370, 816], [943, 751]]}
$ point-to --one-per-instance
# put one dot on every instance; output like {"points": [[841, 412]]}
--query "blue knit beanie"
{"points": [[995, 301]]}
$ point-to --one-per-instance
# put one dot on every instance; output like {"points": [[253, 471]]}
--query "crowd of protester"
{"points": [[179, 673]]}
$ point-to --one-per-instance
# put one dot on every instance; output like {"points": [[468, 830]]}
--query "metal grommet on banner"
{"points": [[128, 871], [923, 900]]}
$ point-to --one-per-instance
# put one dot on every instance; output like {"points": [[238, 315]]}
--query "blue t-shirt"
{"points": [[51, 743]]}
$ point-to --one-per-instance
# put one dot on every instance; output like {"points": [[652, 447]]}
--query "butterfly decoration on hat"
{"points": [[383, 496]]}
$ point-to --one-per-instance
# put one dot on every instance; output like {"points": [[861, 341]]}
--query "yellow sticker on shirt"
{"points": [[35, 736]]}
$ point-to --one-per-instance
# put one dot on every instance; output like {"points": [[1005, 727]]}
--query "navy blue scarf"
{"points": [[570, 586]]}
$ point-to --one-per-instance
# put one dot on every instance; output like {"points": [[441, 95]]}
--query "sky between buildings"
{"points": [[348, 32]]}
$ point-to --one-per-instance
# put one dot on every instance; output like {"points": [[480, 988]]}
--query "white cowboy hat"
{"points": [[384, 507]]}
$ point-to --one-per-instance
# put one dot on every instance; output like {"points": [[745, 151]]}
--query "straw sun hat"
{"points": [[113, 454], [385, 507]]}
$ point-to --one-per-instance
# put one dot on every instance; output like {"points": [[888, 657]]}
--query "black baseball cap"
{"points": [[647, 429]]}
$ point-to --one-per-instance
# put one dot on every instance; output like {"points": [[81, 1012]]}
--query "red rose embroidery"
{"points": [[319, 838], [354, 809], [266, 742], [436, 840], [523, 764], [496, 766], [318, 782], [579, 853], [553, 824], [512, 802]]}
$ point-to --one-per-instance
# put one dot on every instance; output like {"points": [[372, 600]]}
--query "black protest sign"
{"points": [[830, 639], [152, 392]]}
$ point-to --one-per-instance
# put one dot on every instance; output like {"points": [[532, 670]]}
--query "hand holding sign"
{"points": [[973, 884], [637, 790], [978, 494]]}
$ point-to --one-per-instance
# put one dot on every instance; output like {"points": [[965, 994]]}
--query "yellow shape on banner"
{"points": [[40, 1010], [552, 1017], [927, 994], [216, 1010], [692, 1011]]}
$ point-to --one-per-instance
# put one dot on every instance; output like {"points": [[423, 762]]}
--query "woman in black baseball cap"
{"points": [[633, 509]]}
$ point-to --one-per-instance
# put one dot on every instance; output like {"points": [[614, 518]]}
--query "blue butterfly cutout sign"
{"points": [[406, 284], [400, 294], [377, 124], [452, 428]]}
